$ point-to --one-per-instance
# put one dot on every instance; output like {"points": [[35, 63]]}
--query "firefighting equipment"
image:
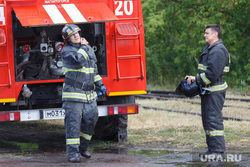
{"points": [[75, 159], [189, 90], [80, 121], [80, 85], [85, 154], [213, 64], [212, 120], [79, 95], [99, 93], [81, 74], [103, 89], [69, 30]]}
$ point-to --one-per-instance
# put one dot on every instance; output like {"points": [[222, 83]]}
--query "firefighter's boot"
{"points": [[74, 159], [85, 154]]}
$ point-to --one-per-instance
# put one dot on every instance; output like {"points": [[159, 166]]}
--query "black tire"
{"points": [[114, 127], [108, 128]]}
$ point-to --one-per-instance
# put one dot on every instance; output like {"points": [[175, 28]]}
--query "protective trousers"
{"points": [[80, 120], [212, 120]]}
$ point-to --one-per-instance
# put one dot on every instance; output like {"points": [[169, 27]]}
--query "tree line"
{"points": [[174, 37]]}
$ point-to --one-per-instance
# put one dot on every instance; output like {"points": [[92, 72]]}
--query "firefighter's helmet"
{"points": [[189, 90], [69, 30]]}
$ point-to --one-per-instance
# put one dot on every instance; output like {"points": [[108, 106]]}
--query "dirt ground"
{"points": [[28, 144], [31, 144], [58, 159]]}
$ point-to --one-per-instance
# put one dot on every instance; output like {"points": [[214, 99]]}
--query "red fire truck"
{"points": [[31, 76]]}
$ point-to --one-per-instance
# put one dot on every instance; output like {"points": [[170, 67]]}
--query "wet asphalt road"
{"points": [[23, 145], [132, 157]]}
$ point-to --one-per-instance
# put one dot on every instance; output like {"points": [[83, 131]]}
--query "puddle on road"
{"points": [[175, 157]]}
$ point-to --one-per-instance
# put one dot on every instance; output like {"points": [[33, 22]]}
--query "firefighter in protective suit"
{"points": [[79, 92], [213, 64]]}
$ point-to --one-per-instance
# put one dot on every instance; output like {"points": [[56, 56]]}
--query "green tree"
{"points": [[174, 37]]}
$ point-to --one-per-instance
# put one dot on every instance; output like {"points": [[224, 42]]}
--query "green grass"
{"points": [[19, 145], [182, 138]]}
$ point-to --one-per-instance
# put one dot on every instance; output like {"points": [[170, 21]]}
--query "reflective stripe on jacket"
{"points": [[214, 62], [79, 64]]}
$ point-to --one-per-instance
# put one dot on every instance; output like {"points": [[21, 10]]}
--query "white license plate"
{"points": [[54, 114]]}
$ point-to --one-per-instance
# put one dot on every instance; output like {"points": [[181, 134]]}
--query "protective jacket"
{"points": [[214, 62], [80, 69]]}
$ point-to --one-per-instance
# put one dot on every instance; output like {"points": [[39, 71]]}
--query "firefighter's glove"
{"points": [[103, 89], [99, 93]]}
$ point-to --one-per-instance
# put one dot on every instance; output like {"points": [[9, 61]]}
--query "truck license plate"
{"points": [[54, 114]]}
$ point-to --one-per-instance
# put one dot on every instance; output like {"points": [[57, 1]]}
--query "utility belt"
{"points": [[79, 85], [208, 89]]}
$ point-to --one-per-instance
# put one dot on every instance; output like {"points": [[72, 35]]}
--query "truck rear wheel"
{"points": [[114, 127]]}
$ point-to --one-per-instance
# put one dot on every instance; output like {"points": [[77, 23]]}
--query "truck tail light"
{"points": [[13, 116], [2, 37], [128, 109]]}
